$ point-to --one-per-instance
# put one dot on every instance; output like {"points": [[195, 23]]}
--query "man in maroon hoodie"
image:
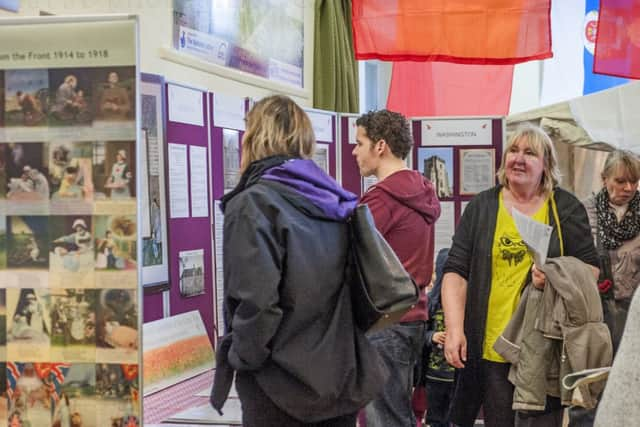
{"points": [[405, 207]]}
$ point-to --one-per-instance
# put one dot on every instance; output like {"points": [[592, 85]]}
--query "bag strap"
{"points": [[556, 218]]}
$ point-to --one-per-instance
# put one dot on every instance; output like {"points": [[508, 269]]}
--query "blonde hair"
{"points": [[625, 159], [276, 125], [539, 142]]}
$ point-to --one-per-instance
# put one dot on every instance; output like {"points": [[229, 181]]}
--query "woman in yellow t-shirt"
{"points": [[487, 268]]}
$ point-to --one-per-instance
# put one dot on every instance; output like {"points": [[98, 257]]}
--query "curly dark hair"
{"points": [[392, 127]]}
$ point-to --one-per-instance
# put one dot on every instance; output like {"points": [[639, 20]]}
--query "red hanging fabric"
{"points": [[460, 31], [617, 51], [444, 89]]}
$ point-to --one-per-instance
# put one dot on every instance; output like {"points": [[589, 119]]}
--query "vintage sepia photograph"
{"points": [[28, 324], [437, 165], [25, 97], [71, 246], [74, 390], [3, 242], [114, 90], [26, 170], [70, 97], [73, 324], [27, 242], [114, 170], [117, 390], [191, 270], [70, 171], [117, 326], [115, 242]]}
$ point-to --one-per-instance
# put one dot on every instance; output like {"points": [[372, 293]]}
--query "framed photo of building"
{"points": [[191, 268], [437, 165], [477, 170], [231, 158]]}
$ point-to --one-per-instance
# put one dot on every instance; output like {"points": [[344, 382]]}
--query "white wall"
{"points": [[525, 88], [156, 28]]}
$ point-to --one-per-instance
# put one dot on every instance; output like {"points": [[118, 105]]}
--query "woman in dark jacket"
{"points": [[299, 358]]}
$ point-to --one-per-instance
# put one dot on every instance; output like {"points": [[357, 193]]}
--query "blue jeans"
{"points": [[400, 346]]}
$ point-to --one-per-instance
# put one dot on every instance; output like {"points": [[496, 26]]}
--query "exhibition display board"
{"points": [[69, 222], [325, 129], [153, 203], [227, 127], [460, 156], [351, 179], [190, 250]]}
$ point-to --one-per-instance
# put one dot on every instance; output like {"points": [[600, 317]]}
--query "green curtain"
{"points": [[335, 69]]}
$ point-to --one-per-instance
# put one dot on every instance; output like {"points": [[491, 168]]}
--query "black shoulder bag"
{"points": [[381, 289]]}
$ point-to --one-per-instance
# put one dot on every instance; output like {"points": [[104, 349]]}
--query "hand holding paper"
{"points": [[535, 235]]}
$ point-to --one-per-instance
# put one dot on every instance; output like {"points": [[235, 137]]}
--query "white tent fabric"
{"points": [[602, 120], [584, 129], [557, 120], [611, 116]]}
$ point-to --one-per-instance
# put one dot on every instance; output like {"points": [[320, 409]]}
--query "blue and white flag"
{"points": [[569, 74]]}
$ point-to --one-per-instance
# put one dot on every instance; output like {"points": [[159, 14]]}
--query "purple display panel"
{"points": [[191, 233], [496, 143], [152, 307], [351, 179]]}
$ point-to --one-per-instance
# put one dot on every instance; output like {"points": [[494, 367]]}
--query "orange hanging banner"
{"points": [[460, 31]]}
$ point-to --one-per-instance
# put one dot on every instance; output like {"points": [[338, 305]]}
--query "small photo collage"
{"points": [[69, 338]]}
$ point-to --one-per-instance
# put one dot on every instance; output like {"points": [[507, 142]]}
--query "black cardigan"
{"points": [[470, 257]]}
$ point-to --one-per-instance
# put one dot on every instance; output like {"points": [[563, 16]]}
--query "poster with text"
{"points": [[69, 303], [260, 37], [477, 170]]}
